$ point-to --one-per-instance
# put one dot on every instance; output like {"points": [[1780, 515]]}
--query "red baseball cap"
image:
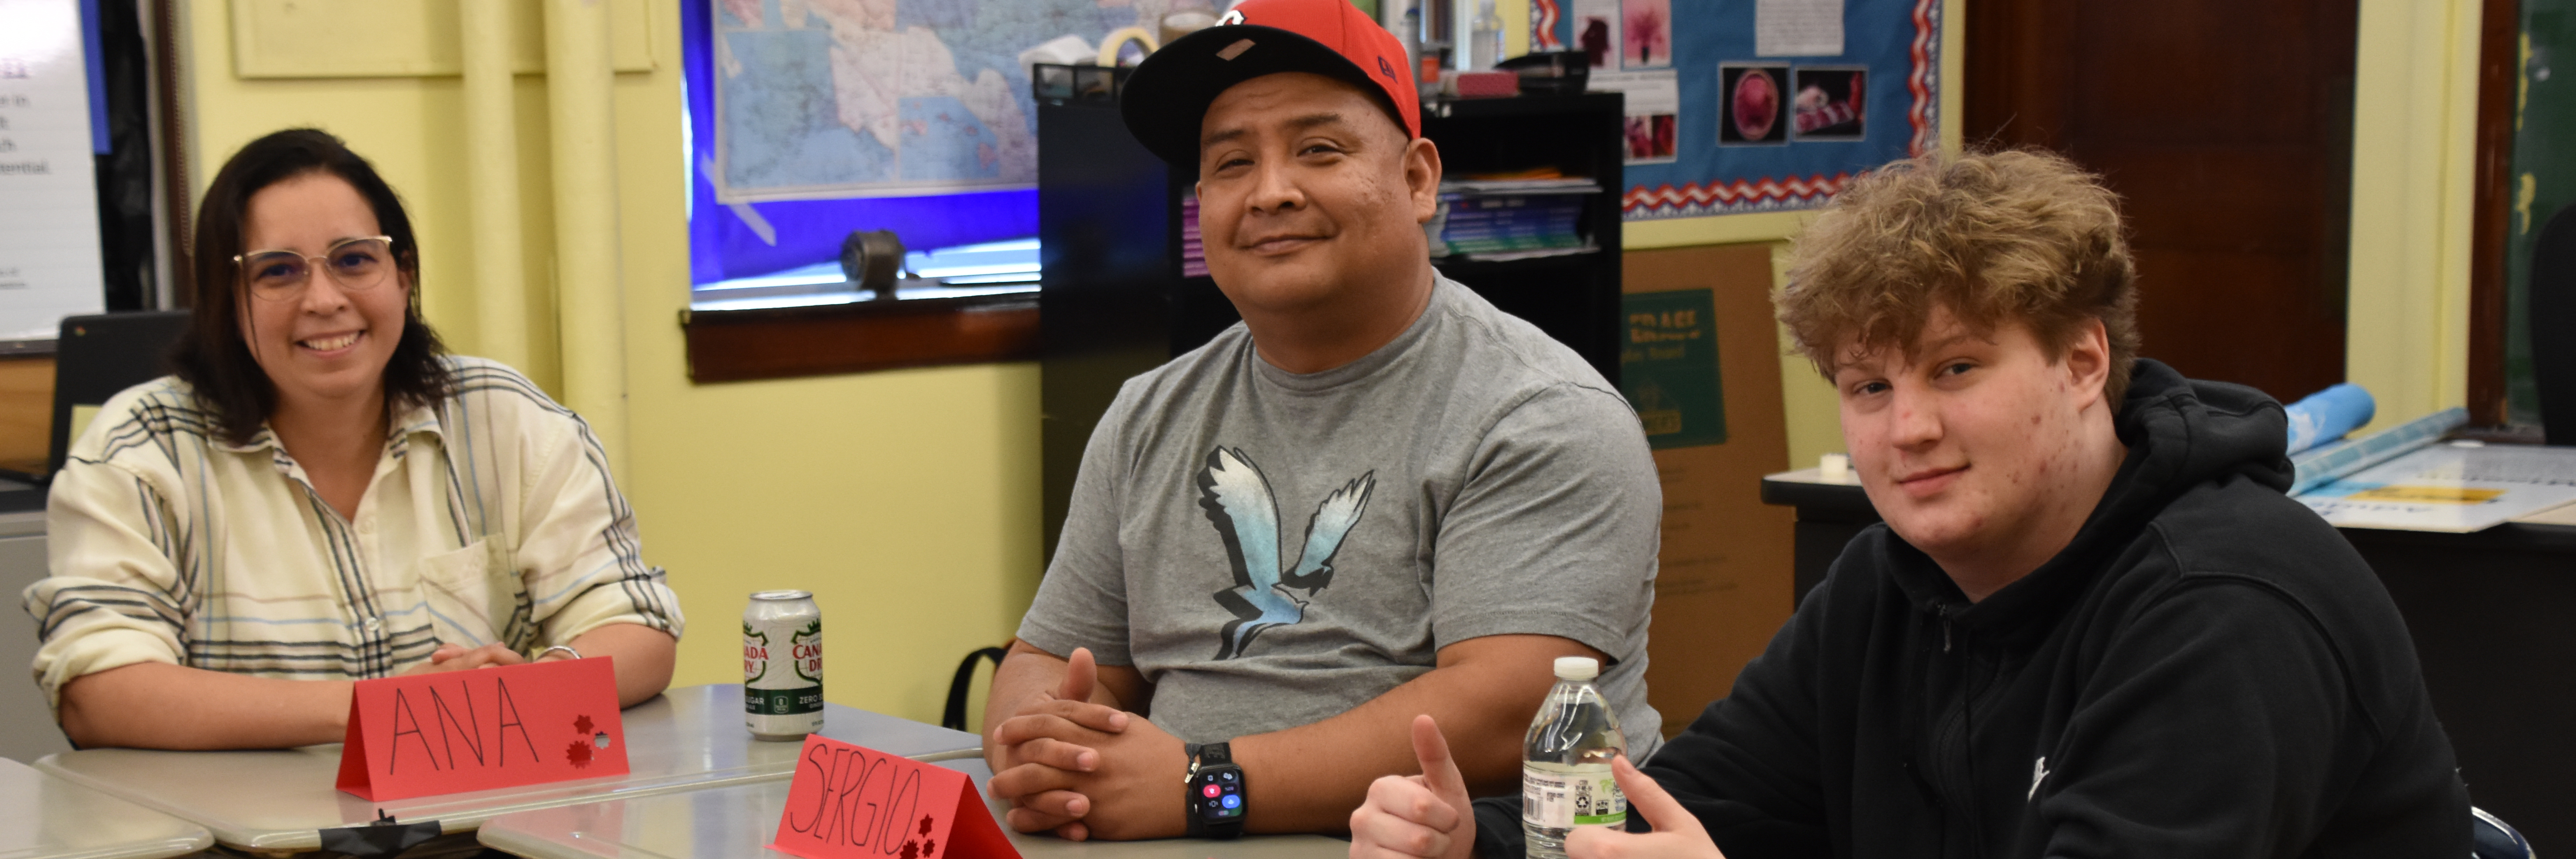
{"points": [[1167, 96]]}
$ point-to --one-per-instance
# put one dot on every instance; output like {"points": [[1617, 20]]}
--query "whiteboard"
{"points": [[49, 251]]}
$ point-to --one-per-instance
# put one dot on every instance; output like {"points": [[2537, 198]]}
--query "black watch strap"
{"points": [[1212, 764]]}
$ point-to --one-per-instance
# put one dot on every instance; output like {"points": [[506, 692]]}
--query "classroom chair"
{"points": [[2552, 318], [97, 356], [2492, 838], [953, 717]]}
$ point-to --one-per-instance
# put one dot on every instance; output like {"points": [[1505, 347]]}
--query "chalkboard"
{"points": [[2543, 180]]}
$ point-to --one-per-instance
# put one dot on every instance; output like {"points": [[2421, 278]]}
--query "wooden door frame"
{"points": [[2499, 65], [173, 106]]}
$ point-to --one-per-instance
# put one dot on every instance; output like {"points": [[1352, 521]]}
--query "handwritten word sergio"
{"points": [[866, 800]]}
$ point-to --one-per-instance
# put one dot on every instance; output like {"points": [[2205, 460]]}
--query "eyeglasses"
{"points": [[355, 264]]}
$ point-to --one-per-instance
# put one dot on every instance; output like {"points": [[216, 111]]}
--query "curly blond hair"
{"points": [[1996, 237]]}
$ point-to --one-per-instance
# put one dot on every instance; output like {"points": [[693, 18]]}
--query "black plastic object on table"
{"points": [[873, 260], [1550, 72]]}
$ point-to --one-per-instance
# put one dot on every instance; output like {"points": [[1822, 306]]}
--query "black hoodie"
{"points": [[2206, 670]]}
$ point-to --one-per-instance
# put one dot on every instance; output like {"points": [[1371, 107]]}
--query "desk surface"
{"points": [[43, 817], [688, 739], [1807, 489], [1814, 476], [21, 523], [738, 822]]}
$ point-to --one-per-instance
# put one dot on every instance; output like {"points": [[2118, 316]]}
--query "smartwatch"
{"points": [[1216, 798]]}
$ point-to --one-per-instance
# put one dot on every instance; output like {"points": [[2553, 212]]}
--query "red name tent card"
{"points": [[482, 729], [849, 802]]}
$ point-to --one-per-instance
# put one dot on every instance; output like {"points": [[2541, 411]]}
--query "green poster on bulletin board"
{"points": [[1668, 367]]}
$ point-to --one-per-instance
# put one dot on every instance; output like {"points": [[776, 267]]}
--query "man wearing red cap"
{"points": [[1377, 497]]}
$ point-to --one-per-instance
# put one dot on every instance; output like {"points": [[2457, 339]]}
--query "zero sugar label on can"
{"points": [[797, 686], [782, 664]]}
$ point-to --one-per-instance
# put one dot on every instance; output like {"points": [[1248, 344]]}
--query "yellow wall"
{"points": [[1813, 413], [907, 501], [2413, 147], [407, 127]]}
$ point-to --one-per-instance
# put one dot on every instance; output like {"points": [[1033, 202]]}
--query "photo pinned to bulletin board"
{"points": [[1654, 118], [1756, 105], [1830, 103], [1755, 110]]}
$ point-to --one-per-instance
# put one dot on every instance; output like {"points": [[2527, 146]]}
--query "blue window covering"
{"points": [[748, 239], [96, 60]]}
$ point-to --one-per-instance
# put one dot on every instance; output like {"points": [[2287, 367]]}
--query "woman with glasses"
{"points": [[321, 494]]}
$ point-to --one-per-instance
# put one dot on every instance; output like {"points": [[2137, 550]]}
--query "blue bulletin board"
{"points": [[1756, 105]]}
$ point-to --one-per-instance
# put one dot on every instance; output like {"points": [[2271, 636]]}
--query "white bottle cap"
{"points": [[1577, 668]]}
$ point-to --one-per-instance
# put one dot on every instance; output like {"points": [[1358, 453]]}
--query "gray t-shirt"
{"points": [[1271, 549]]}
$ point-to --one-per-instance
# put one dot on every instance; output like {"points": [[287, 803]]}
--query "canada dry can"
{"points": [[782, 665]]}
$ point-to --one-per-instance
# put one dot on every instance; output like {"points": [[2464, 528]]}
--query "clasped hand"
{"points": [[1428, 816], [1087, 770], [458, 657]]}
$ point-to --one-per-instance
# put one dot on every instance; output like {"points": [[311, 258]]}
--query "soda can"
{"points": [[782, 665]]}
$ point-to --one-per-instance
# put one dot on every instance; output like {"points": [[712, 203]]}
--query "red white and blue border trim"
{"points": [[1774, 194]]}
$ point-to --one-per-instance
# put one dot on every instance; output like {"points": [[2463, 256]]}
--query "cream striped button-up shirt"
{"points": [[491, 518]]}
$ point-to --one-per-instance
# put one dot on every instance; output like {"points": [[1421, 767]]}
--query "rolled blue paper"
{"points": [[2329, 463], [2327, 415]]}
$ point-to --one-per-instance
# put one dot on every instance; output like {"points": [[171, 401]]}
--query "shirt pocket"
{"points": [[472, 593]]}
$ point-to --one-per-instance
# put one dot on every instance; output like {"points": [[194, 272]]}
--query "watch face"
{"points": [[1220, 795]]}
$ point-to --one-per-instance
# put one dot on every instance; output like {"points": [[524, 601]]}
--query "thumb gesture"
{"points": [[1440, 773], [1080, 673], [1677, 835], [1425, 816]]}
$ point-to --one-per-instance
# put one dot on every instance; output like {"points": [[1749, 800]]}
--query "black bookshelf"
{"points": [[1113, 302], [1573, 298]]}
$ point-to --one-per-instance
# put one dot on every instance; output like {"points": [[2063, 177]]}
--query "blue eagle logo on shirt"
{"points": [[1237, 498]]}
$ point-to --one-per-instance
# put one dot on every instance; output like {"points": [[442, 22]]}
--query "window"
{"points": [[768, 296]]}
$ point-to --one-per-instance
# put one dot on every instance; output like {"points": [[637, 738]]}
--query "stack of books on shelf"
{"points": [[1193, 251], [1510, 218]]}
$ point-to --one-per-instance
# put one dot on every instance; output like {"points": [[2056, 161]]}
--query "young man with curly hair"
{"points": [[2092, 624]]}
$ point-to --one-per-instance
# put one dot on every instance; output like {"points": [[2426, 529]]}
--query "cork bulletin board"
{"points": [[1726, 564]]}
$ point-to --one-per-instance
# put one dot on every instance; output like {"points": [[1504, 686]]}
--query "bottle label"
{"points": [[1564, 797]]}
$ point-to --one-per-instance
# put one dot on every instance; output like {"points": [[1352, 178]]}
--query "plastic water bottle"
{"points": [[1565, 761], [1485, 39], [1406, 24]]}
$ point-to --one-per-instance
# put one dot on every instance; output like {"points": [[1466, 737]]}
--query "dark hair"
{"points": [[214, 357]]}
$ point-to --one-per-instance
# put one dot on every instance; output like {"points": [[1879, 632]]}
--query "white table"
{"points": [[688, 739], [737, 822], [43, 817], [27, 730]]}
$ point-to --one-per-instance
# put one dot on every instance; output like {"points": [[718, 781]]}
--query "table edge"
{"points": [[158, 850], [311, 839]]}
